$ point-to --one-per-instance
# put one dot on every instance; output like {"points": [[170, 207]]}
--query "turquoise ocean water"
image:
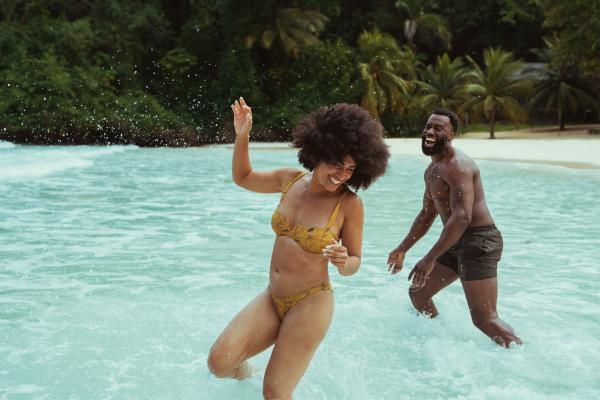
{"points": [[119, 266]]}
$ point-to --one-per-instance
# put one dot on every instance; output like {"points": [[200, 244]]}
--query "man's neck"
{"points": [[447, 153]]}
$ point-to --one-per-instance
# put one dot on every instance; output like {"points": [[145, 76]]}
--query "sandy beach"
{"points": [[573, 148], [573, 153]]}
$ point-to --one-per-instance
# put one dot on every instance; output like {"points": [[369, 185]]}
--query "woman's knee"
{"points": [[219, 360], [272, 392]]}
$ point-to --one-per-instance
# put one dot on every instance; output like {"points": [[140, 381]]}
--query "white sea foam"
{"points": [[6, 145], [116, 281], [36, 169], [38, 162]]}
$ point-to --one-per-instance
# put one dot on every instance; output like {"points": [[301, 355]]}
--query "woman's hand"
{"points": [[242, 117], [336, 254]]}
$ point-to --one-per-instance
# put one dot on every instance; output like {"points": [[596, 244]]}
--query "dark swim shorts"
{"points": [[476, 254]]}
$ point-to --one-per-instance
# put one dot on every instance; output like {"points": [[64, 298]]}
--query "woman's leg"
{"points": [[251, 331], [301, 332]]}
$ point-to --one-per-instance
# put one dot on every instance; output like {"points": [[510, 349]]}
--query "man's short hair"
{"points": [[451, 116]]}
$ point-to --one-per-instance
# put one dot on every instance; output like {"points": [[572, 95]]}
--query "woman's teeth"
{"points": [[334, 181]]}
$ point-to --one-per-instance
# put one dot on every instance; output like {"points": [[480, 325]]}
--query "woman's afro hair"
{"points": [[328, 134]]}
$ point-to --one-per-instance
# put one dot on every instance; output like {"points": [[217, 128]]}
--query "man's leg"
{"points": [[421, 298], [481, 296]]}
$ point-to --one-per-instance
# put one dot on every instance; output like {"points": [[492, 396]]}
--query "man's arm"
{"points": [[420, 225], [462, 192], [419, 228]]}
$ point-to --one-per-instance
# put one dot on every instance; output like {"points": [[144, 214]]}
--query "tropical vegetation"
{"points": [[160, 73]]}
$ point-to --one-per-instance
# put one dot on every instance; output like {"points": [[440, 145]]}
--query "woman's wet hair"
{"points": [[330, 133]]}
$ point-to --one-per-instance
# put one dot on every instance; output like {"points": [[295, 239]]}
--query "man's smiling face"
{"points": [[438, 131]]}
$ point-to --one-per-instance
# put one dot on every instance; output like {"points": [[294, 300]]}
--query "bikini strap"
{"points": [[335, 211], [290, 183]]}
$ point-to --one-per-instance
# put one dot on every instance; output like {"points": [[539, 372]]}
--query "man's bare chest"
{"points": [[436, 186]]}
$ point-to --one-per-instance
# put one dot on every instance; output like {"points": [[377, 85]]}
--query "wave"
{"points": [[36, 162], [6, 145], [103, 150], [43, 168]]}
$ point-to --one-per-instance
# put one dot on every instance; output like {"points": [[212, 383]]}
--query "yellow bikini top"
{"points": [[312, 240]]}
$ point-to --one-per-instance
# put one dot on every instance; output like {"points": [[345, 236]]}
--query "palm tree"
{"points": [[421, 27], [443, 84], [387, 70], [292, 28], [493, 90], [559, 84]]}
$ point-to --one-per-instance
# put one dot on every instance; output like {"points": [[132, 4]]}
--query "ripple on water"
{"points": [[120, 266]]}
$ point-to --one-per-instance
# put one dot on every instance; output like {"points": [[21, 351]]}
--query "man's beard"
{"points": [[437, 148]]}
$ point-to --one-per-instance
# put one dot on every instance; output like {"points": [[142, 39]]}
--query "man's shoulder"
{"points": [[462, 163], [459, 168]]}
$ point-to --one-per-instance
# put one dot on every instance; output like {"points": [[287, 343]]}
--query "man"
{"points": [[469, 246]]}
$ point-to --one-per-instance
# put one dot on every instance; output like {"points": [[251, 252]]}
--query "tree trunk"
{"points": [[561, 122], [410, 29], [492, 123], [7, 9]]}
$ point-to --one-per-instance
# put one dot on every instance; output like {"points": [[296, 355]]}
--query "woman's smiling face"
{"points": [[333, 175]]}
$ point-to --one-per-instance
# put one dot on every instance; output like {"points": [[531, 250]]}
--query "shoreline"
{"points": [[566, 152], [567, 164], [540, 133], [572, 148], [570, 153]]}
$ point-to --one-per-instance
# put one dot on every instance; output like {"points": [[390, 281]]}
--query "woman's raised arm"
{"points": [[241, 169]]}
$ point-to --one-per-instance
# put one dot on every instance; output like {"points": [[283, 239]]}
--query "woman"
{"points": [[318, 220]]}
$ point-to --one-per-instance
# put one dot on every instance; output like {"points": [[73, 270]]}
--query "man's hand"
{"points": [[395, 261], [421, 271]]}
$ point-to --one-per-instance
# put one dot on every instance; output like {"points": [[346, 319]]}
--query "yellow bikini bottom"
{"points": [[286, 303]]}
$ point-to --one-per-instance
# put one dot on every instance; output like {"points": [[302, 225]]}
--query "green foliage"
{"points": [[164, 73], [293, 28], [576, 24], [495, 90], [514, 25], [386, 70], [422, 28], [443, 84], [70, 77], [324, 74], [408, 124], [559, 84]]}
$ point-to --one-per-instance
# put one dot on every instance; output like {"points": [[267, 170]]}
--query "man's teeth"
{"points": [[335, 182]]}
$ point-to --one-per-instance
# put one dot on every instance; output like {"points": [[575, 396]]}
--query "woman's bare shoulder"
{"points": [[352, 202]]}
